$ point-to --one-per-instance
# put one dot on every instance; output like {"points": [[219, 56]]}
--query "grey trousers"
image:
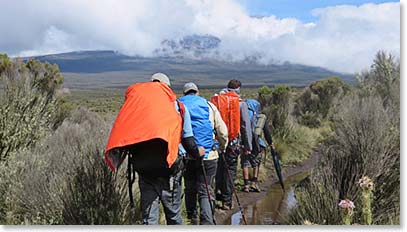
{"points": [[195, 190], [165, 190]]}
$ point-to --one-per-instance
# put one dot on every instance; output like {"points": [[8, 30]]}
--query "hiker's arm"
{"points": [[245, 127], [220, 128], [191, 147]]}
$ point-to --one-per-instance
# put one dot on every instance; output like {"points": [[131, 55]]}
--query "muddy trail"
{"points": [[270, 188]]}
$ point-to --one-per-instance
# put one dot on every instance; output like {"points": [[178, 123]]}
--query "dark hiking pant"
{"points": [[195, 189], [166, 190], [224, 184]]}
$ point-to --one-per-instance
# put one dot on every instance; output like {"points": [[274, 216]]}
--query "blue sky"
{"points": [[300, 9]]}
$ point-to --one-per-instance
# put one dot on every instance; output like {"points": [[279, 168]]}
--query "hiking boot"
{"points": [[226, 206], [255, 187], [192, 220], [246, 188]]}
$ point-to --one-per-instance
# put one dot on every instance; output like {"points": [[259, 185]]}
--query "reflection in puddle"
{"points": [[273, 207]]}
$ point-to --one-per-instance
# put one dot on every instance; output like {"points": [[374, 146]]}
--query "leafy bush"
{"points": [[28, 103], [365, 142], [29, 108], [383, 79], [276, 102], [310, 119], [316, 101], [64, 179]]}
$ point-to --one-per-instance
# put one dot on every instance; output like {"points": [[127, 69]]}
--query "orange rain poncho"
{"points": [[147, 113]]}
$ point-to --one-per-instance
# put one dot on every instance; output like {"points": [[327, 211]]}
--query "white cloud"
{"points": [[345, 38]]}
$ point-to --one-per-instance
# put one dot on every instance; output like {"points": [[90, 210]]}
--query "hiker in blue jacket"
{"points": [[200, 174]]}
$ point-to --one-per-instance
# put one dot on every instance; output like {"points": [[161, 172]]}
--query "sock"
{"points": [[254, 179], [246, 182]]}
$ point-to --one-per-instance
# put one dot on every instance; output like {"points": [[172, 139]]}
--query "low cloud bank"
{"points": [[344, 38]]}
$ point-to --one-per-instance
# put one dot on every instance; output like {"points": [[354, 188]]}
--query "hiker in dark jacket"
{"points": [[206, 122], [224, 186], [150, 130]]}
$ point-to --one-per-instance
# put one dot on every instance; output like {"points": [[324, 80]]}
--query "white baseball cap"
{"points": [[190, 86], [161, 77]]}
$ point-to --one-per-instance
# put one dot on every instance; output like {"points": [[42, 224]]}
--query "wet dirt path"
{"points": [[251, 202]]}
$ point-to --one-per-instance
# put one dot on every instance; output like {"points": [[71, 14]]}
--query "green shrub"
{"points": [[383, 79], [276, 106], [28, 103], [310, 119], [29, 108], [64, 179], [365, 142], [316, 101]]}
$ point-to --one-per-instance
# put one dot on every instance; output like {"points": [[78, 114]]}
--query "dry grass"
{"points": [[64, 179]]}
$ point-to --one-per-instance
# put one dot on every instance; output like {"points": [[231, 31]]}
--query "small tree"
{"points": [[316, 101], [275, 102], [29, 107], [381, 78]]}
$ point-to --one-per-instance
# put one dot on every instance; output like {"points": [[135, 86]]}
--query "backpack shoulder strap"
{"points": [[214, 117], [181, 110]]}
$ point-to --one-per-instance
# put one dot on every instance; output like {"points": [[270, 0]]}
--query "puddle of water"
{"points": [[273, 207]]}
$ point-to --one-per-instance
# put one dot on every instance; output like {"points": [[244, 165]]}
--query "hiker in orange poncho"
{"points": [[149, 129], [241, 143]]}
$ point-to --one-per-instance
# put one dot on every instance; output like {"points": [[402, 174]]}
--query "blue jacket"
{"points": [[201, 125]]}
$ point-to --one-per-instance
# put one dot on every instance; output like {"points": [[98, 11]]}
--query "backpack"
{"points": [[151, 159], [149, 140], [257, 120], [198, 108], [228, 105], [147, 113]]}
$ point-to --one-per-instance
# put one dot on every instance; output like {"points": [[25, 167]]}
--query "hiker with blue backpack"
{"points": [[199, 174], [253, 160]]}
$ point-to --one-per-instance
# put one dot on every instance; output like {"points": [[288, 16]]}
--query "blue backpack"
{"points": [[254, 111], [198, 108]]}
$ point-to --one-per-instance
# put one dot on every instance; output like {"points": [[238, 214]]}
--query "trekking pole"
{"points": [[207, 191], [277, 166], [234, 190], [264, 157], [131, 180]]}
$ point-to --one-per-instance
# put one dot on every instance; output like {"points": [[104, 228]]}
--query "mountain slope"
{"points": [[108, 69]]}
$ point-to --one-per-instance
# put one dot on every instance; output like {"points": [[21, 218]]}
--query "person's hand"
{"points": [[201, 151], [248, 152], [272, 146]]}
